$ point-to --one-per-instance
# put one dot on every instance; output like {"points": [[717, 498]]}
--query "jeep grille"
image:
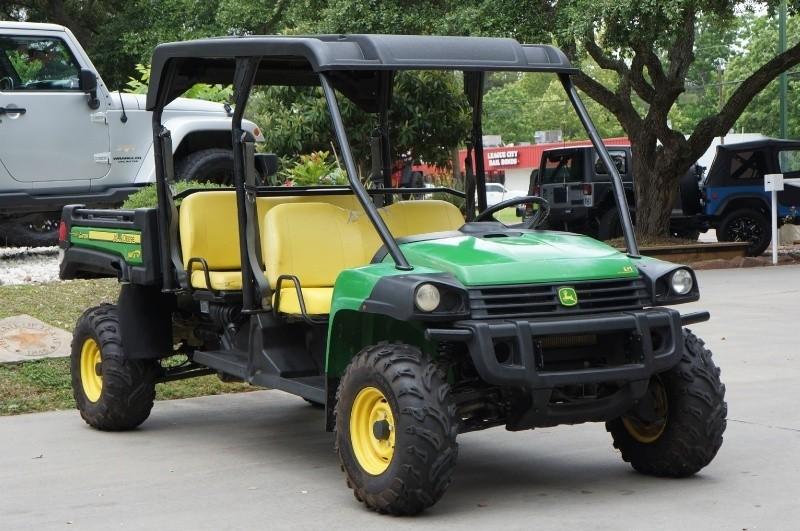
{"points": [[535, 300]]}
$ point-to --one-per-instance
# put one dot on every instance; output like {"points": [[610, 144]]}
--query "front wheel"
{"points": [[676, 429], [396, 429], [112, 392], [207, 166]]}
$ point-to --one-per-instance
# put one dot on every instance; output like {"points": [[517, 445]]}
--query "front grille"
{"points": [[537, 300]]}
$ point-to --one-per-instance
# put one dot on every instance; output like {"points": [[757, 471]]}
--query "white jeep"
{"points": [[65, 137]]}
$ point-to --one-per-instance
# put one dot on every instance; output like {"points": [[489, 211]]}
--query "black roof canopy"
{"points": [[760, 144], [352, 61]]}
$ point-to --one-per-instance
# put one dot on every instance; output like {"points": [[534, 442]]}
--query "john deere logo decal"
{"points": [[567, 296]]}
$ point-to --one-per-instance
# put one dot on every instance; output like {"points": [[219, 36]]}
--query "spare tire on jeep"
{"points": [[689, 191]]}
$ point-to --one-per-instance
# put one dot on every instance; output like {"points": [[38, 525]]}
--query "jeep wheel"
{"points": [[608, 225], [746, 225], [111, 392], [207, 166], [33, 230], [677, 429], [395, 429]]}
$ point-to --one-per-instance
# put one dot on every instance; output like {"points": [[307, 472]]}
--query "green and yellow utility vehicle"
{"points": [[408, 321]]}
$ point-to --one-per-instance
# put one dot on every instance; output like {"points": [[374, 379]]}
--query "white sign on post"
{"points": [[774, 183]]}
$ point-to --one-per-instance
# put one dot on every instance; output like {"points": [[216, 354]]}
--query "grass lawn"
{"points": [[44, 385]]}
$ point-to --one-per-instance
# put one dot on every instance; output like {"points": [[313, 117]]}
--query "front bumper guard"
{"points": [[522, 371]]}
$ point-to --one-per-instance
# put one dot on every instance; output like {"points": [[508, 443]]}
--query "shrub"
{"points": [[314, 169], [146, 196]]}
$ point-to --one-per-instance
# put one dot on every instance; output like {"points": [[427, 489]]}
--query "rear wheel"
{"points": [[111, 392], [396, 429], [32, 230], [207, 166], [746, 225], [677, 428]]}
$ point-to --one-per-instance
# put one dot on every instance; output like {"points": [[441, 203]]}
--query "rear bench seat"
{"points": [[311, 237], [209, 229]]}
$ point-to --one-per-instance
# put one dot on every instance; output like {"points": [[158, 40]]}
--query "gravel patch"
{"points": [[28, 265]]}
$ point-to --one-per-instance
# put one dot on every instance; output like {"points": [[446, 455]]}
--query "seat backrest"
{"points": [[407, 218], [209, 228], [313, 241]]}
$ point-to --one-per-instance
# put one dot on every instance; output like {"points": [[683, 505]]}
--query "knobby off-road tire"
{"points": [[123, 396], [424, 428], [695, 418]]}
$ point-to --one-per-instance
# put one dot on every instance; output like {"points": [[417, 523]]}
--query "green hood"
{"points": [[521, 259]]}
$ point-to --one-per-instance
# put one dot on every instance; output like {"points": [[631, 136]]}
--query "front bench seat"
{"points": [[408, 218], [314, 242], [317, 241]]}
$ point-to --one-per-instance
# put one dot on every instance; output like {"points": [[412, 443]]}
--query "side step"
{"points": [[235, 364], [232, 363]]}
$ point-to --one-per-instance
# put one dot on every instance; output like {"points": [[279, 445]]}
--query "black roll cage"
{"points": [[170, 79]]}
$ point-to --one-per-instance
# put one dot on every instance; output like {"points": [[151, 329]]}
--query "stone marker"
{"points": [[24, 338]]}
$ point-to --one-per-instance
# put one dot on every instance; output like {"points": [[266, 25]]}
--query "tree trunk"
{"points": [[456, 168], [656, 187]]}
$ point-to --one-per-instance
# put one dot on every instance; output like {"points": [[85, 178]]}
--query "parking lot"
{"points": [[262, 460]]}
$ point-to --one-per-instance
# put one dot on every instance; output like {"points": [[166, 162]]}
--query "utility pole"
{"points": [[783, 130]]}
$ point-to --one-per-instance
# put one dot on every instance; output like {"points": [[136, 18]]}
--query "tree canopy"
{"points": [[671, 74]]}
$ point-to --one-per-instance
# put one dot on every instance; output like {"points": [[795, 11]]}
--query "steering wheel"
{"points": [[539, 215], [6, 83]]}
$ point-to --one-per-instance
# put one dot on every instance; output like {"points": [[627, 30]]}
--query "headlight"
{"points": [[681, 281], [427, 297]]}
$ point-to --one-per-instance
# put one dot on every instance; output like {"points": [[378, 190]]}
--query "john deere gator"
{"points": [[408, 321]]}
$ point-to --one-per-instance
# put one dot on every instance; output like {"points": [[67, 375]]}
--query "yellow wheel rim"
{"points": [[372, 431], [649, 432], [91, 381]]}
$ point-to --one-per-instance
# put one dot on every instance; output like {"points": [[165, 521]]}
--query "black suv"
{"points": [[577, 186]]}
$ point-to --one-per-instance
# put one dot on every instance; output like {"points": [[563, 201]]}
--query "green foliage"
{"points": [[138, 84], [535, 102], [26, 69], [203, 91], [314, 169], [428, 118], [146, 197], [761, 115]]}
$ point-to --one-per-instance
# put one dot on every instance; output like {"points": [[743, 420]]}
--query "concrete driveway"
{"points": [[262, 460]]}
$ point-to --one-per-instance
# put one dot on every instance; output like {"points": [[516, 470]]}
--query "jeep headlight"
{"points": [[681, 281], [427, 297]]}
